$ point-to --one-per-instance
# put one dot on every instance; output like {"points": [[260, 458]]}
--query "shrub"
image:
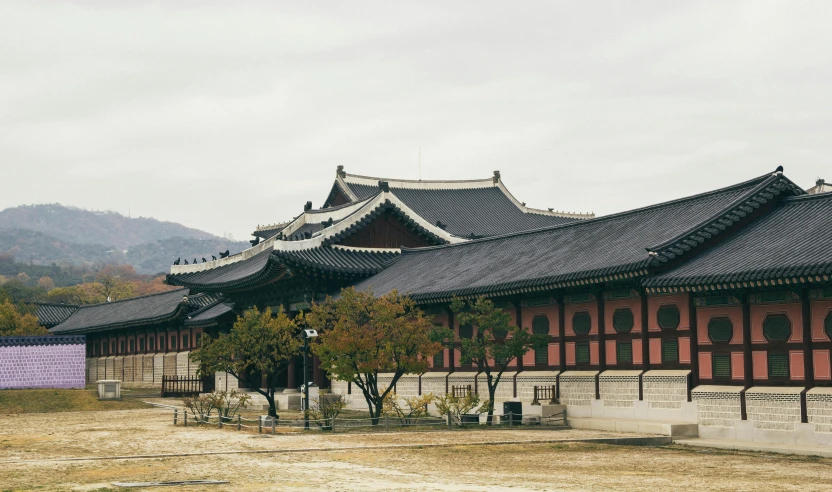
{"points": [[457, 406], [414, 408], [325, 408]]}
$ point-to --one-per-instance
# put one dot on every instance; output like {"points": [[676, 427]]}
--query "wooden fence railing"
{"points": [[183, 386]]}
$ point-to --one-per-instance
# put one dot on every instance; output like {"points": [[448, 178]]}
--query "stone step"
{"points": [[672, 429]]}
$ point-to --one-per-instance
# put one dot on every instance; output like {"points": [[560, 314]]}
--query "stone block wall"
{"points": [[717, 406], [408, 385], [819, 409], [577, 388], [665, 389], [434, 383], [504, 390], [773, 408], [618, 389], [141, 370], [462, 379], [42, 362], [527, 380]]}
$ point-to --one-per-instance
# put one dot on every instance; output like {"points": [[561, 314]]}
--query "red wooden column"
{"points": [[748, 366], [645, 335], [694, 343], [808, 353], [561, 335]]}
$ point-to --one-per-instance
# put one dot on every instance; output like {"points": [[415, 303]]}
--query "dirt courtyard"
{"points": [[34, 449]]}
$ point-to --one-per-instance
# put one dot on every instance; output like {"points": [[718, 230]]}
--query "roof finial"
{"points": [[496, 178], [779, 169], [820, 182], [340, 172], [384, 186], [307, 207]]}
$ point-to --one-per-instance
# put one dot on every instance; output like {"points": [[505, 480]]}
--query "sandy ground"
{"points": [[31, 446]]}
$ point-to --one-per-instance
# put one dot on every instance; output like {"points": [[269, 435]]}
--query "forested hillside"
{"points": [[38, 237], [76, 225]]}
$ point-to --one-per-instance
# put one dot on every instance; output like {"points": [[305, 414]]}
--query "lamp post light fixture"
{"points": [[307, 335]]}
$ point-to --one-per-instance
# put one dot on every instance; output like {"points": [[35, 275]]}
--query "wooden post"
{"points": [[449, 419], [239, 422], [274, 422], [510, 420], [386, 423], [186, 418], [260, 425], [175, 415], [220, 421]]}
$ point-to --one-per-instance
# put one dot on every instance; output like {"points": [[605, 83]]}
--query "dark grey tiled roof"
{"points": [[42, 340], [328, 259], [208, 317], [50, 315], [154, 308], [794, 240], [588, 250], [480, 211], [249, 272]]}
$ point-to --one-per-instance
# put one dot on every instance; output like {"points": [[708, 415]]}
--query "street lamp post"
{"points": [[307, 335]]}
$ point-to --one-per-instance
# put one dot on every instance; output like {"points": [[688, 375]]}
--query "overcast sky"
{"points": [[222, 116]]}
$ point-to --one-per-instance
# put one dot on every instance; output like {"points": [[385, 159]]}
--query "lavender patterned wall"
{"points": [[42, 362]]}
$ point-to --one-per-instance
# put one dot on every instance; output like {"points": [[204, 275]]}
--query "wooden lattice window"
{"points": [[827, 325], [132, 345], [622, 320], [121, 347], [721, 365], [152, 342], [778, 365], [668, 317], [141, 344], [670, 350], [777, 328], [624, 352], [582, 353], [439, 359], [162, 343], [540, 326], [720, 329], [185, 341], [466, 331], [173, 343], [581, 323]]}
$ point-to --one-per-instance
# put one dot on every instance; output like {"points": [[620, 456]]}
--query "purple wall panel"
{"points": [[42, 366]]}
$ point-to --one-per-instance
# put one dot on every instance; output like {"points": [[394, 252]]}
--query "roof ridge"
{"points": [[220, 300], [578, 223], [762, 185], [806, 197], [39, 303], [133, 298], [489, 180]]}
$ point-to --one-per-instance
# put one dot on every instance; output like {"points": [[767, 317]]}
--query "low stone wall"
{"points": [[665, 390], [42, 362], [141, 370], [504, 390], [408, 386], [577, 388], [527, 380], [774, 409], [434, 382], [819, 409], [718, 406], [618, 389]]}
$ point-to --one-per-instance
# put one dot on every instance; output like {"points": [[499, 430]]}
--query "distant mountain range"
{"points": [[47, 234]]}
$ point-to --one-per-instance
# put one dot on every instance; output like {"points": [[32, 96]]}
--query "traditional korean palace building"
{"points": [[713, 309]]}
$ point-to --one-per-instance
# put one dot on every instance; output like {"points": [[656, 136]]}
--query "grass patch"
{"points": [[59, 400]]}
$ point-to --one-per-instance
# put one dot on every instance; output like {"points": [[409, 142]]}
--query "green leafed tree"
{"points": [[362, 335], [495, 343], [16, 323], [259, 345]]}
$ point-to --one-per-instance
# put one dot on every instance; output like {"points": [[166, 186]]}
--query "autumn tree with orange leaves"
{"points": [[361, 335]]}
